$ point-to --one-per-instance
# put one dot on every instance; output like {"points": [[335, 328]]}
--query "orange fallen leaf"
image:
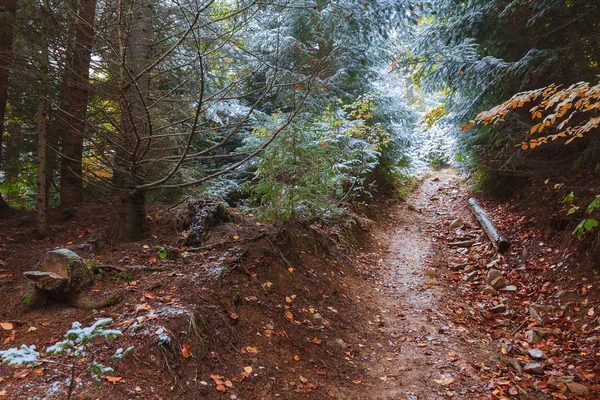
{"points": [[303, 379], [251, 349], [21, 375], [248, 369], [113, 379], [7, 326], [38, 371], [221, 388], [232, 315], [297, 357], [357, 381], [185, 350]]}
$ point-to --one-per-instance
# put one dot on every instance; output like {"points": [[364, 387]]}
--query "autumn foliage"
{"points": [[566, 113]]}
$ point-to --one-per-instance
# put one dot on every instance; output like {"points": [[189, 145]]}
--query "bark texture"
{"points": [[76, 78]]}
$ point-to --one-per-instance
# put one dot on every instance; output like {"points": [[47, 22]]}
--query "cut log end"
{"points": [[61, 274]]}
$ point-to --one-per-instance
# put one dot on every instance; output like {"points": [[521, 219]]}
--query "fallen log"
{"points": [[497, 239]]}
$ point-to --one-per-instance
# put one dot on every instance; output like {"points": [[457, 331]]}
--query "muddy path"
{"points": [[424, 347]]}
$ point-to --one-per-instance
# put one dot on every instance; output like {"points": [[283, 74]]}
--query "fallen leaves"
{"points": [[113, 379]]}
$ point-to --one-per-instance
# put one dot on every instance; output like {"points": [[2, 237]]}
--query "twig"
{"points": [[72, 382]]}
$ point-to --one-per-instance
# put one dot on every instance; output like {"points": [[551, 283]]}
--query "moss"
{"points": [[113, 300], [26, 299], [121, 276]]}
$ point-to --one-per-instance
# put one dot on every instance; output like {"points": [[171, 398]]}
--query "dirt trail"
{"points": [[422, 351]]}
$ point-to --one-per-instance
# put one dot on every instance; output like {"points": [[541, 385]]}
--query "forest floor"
{"points": [[313, 312]]}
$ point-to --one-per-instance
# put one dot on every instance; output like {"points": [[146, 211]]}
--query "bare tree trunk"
{"points": [[77, 70], [127, 220], [42, 124], [8, 9]]}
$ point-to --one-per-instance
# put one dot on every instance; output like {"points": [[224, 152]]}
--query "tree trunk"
{"points": [[77, 77], [8, 9], [42, 124], [127, 221], [128, 218]]}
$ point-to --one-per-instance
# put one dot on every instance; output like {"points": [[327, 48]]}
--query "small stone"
{"points": [[469, 268], [577, 389], [498, 309], [516, 364], [534, 368], [492, 275], [559, 382], [535, 315], [457, 223], [457, 267], [489, 291], [430, 272], [471, 276], [536, 354], [508, 289], [498, 283], [337, 343], [531, 337], [523, 394], [541, 332]]}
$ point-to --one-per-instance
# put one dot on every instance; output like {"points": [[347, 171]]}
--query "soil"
{"points": [[309, 312]]}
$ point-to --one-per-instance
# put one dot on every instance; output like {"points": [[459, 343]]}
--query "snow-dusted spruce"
{"points": [[24, 355], [75, 345], [120, 353], [77, 338]]}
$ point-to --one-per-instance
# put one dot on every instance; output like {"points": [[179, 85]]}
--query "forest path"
{"points": [[424, 347]]}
